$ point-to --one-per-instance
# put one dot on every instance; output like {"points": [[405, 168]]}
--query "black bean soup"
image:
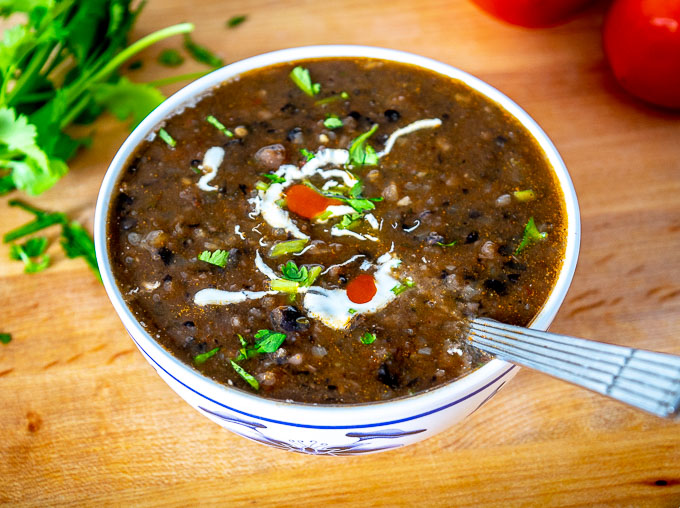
{"points": [[321, 231]]}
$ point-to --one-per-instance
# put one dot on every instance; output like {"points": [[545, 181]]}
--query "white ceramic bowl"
{"points": [[329, 429]]}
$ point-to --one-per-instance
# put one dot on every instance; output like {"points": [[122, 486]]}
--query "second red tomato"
{"points": [[533, 13]]}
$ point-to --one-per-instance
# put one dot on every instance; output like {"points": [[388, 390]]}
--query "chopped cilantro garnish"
{"points": [[303, 80], [324, 216], [360, 152], [402, 286], [450, 244], [5, 338], [170, 58], [219, 257], [288, 247], [219, 126], [352, 311], [307, 154], [166, 137], [348, 220], [261, 186], [524, 195], [247, 377], [531, 235], [234, 21], [33, 248], [368, 338], [332, 122], [332, 98], [274, 178], [266, 341], [75, 240], [201, 53], [202, 358], [290, 272]]}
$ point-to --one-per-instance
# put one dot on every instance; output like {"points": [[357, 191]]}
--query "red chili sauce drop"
{"points": [[361, 289], [307, 202]]}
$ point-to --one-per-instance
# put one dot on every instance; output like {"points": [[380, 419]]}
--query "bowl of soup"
{"points": [[297, 241]]}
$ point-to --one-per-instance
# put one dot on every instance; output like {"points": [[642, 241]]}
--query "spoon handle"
{"points": [[643, 379]]}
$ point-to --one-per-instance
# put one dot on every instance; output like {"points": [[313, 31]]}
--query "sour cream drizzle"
{"points": [[212, 160], [334, 309], [212, 296], [428, 123]]}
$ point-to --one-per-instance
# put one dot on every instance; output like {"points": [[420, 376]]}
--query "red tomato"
{"points": [[642, 44], [362, 289], [307, 202], [532, 13]]}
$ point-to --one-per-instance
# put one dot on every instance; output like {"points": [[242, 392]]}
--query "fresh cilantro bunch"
{"points": [[58, 68]]}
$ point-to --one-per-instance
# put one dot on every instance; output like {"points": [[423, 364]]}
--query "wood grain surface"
{"points": [[85, 420]]}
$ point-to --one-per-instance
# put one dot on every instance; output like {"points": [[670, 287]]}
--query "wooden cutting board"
{"points": [[85, 420]]}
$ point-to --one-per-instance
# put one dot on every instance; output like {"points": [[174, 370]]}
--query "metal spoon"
{"points": [[643, 379]]}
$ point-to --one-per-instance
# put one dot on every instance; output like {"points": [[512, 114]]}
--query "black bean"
{"points": [[290, 109], [288, 319], [166, 255], [392, 115], [434, 238], [501, 140], [464, 191], [413, 382], [332, 387], [505, 250], [513, 277], [515, 265], [474, 214], [472, 237], [195, 163], [386, 377], [495, 285], [124, 200], [243, 188], [167, 278], [189, 324], [294, 135], [355, 114], [445, 116]]}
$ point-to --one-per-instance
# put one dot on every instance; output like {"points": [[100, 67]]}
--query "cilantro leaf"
{"points": [[76, 242], [247, 377], [303, 80], [125, 99], [201, 53], [5, 338], [368, 338], [32, 170], [218, 258], [360, 152], [234, 21], [170, 58], [531, 235], [274, 178], [290, 271], [268, 341], [332, 122], [450, 244], [33, 248], [203, 357], [307, 154]]}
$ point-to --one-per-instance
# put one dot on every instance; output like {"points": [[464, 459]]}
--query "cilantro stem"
{"points": [[139, 45]]}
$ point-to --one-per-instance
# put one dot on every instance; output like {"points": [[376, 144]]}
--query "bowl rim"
{"points": [[343, 414]]}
